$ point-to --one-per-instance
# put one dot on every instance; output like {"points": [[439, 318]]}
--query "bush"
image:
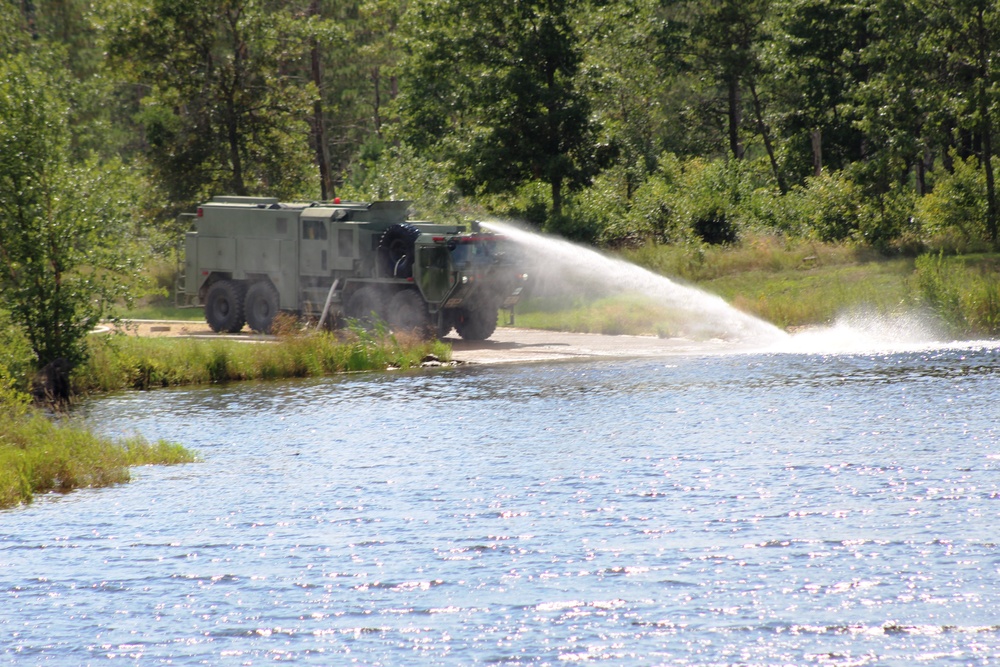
{"points": [[828, 206], [953, 216], [398, 172], [886, 221], [653, 213], [598, 213]]}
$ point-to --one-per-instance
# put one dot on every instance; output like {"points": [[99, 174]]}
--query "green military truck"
{"points": [[249, 258]]}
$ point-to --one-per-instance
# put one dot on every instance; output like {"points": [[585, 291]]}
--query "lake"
{"points": [[744, 509]]}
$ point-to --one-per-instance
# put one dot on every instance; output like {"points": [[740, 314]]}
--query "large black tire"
{"points": [[224, 306], [366, 305], [476, 323], [396, 250], [408, 313], [261, 306]]}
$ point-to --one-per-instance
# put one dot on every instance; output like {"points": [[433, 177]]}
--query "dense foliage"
{"points": [[64, 248], [618, 122]]}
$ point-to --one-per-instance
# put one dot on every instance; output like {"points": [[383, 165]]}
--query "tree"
{"points": [[968, 32], [221, 115], [817, 66], [493, 86], [64, 241], [627, 88], [354, 69]]}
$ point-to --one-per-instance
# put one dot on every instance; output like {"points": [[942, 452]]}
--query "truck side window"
{"points": [[314, 230]]}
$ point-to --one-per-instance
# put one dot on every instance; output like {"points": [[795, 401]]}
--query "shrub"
{"points": [[598, 213], [828, 206], [17, 361], [953, 216], [966, 298]]}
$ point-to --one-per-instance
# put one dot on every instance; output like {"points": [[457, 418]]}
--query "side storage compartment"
{"points": [[192, 276]]}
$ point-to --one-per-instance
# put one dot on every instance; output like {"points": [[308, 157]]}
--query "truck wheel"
{"points": [[261, 306], [224, 306], [396, 249], [477, 323], [365, 305], [408, 312]]}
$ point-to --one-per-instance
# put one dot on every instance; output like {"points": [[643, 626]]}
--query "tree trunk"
{"points": [[817, 146], [734, 117], [991, 194], [322, 151], [319, 125], [556, 197], [235, 159], [766, 134], [377, 100]]}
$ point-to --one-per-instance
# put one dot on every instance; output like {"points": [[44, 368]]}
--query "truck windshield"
{"points": [[475, 252]]}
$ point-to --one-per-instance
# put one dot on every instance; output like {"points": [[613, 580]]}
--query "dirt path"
{"points": [[507, 345]]}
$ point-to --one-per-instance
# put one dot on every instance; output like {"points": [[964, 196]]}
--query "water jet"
{"points": [[565, 268]]}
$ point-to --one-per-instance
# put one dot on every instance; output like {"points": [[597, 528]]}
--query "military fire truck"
{"points": [[249, 258]]}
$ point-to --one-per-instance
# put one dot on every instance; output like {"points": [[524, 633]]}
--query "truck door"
{"points": [[315, 248], [434, 272]]}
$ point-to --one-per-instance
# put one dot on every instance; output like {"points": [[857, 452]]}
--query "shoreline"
{"points": [[506, 345]]}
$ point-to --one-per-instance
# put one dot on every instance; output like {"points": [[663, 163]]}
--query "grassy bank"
{"points": [[125, 362], [38, 455], [794, 284]]}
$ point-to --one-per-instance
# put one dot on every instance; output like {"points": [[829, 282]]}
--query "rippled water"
{"points": [[781, 509]]}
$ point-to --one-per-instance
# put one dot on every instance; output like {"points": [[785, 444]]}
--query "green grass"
{"points": [[611, 316], [814, 296], [38, 455], [127, 362], [160, 311]]}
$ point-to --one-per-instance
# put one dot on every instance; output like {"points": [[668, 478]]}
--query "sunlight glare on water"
{"points": [[752, 509]]}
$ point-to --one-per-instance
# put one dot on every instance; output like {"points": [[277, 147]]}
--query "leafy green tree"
{"points": [[627, 88], [724, 40], [354, 66], [817, 65], [221, 115], [968, 33], [64, 225], [494, 86]]}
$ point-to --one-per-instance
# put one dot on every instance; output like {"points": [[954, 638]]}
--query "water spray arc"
{"points": [[699, 315]]}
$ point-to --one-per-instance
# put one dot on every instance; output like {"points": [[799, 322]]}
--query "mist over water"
{"points": [[703, 316]]}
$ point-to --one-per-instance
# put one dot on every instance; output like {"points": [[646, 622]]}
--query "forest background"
{"points": [[627, 124]]}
